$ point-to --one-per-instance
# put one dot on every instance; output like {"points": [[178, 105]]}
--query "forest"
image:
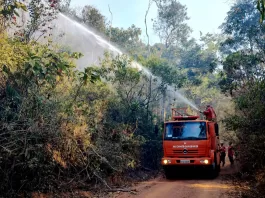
{"points": [[100, 127]]}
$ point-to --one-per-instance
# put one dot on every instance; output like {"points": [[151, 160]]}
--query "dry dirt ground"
{"points": [[193, 185], [185, 187]]}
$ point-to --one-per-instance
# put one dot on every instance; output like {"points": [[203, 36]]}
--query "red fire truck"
{"points": [[190, 141]]}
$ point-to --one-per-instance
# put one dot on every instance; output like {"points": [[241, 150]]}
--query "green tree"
{"points": [[243, 77], [139, 94], [64, 6], [128, 39], [8, 13], [242, 28], [170, 75], [261, 8], [171, 24], [243, 48], [40, 16], [93, 18], [201, 56]]}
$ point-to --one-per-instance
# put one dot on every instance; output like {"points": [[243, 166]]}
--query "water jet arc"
{"points": [[80, 38]]}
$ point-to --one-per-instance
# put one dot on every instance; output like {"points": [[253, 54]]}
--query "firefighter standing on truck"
{"points": [[209, 113]]}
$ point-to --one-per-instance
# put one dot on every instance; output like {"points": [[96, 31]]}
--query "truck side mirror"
{"points": [[216, 127]]}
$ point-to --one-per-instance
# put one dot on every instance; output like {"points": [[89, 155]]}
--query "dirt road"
{"points": [[185, 187]]}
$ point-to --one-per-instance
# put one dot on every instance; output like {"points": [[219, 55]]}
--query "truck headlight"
{"points": [[165, 161], [205, 161]]}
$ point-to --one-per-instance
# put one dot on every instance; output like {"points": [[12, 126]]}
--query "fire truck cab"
{"points": [[190, 141]]}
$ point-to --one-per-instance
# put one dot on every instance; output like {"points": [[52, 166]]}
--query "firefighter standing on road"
{"points": [[222, 153], [209, 113]]}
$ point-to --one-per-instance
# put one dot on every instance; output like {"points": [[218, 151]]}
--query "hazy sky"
{"points": [[205, 15]]}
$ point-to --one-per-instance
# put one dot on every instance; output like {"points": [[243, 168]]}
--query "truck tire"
{"points": [[212, 172], [218, 167], [214, 169], [169, 173]]}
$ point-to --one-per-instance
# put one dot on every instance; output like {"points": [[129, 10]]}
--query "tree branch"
{"points": [[110, 23], [146, 29]]}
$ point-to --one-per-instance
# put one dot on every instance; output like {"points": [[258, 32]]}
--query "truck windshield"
{"points": [[186, 131]]}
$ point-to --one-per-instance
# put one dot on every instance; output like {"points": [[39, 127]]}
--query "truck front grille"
{"points": [[188, 151]]}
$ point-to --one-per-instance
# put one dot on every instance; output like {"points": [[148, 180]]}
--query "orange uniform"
{"points": [[210, 113]]}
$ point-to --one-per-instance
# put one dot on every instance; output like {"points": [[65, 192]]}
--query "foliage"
{"points": [[8, 13], [243, 28], [171, 22], [56, 123], [243, 78], [28, 121], [139, 96], [8, 8], [198, 59], [208, 92], [64, 6], [169, 75], [61, 128], [93, 18], [128, 39], [41, 14], [249, 125], [243, 64], [261, 8]]}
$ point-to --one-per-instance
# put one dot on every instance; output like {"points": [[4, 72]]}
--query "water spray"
{"points": [[85, 34], [82, 39]]}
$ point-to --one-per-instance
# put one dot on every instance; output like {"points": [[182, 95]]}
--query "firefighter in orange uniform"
{"points": [[222, 153], [209, 113]]}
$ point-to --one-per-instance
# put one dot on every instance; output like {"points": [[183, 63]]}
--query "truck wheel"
{"points": [[218, 169], [169, 173], [213, 172], [214, 169], [217, 166]]}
